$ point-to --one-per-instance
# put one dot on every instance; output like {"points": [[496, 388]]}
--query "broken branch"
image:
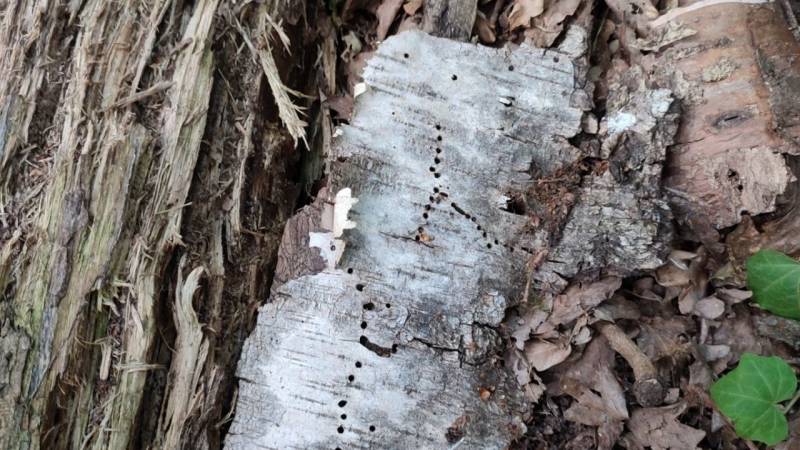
{"points": [[647, 389]]}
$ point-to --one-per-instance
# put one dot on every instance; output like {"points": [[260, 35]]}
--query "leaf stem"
{"points": [[791, 403]]}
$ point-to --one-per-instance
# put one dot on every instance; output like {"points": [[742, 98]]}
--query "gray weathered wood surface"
{"points": [[621, 220]]}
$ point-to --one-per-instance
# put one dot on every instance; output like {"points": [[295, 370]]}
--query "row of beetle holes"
{"points": [[351, 378], [438, 195], [436, 198]]}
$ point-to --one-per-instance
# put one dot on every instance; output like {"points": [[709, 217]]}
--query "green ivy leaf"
{"points": [[749, 395], [774, 279]]}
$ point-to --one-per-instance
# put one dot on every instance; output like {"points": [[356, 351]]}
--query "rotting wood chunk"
{"points": [[620, 222]]}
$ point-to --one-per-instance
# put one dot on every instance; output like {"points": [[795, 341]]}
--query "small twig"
{"points": [[647, 389], [791, 403], [154, 89], [789, 13]]}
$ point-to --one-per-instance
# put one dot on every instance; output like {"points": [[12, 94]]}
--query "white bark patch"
{"points": [[334, 219], [621, 122]]}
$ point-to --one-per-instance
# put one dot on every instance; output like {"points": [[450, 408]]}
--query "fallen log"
{"points": [[384, 332]]}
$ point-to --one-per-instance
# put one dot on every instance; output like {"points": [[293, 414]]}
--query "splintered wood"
{"points": [[126, 147], [383, 329]]}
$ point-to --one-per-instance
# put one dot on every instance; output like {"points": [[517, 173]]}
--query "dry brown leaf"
{"points": [[557, 11], [525, 324], [733, 296], [580, 298], [739, 333], [608, 429], [665, 338], [548, 26], [679, 256], [698, 282], [516, 361], [671, 293], [484, 29], [669, 275], [673, 395], [581, 335], [593, 373], [412, 6], [543, 355], [600, 400], [644, 288], [713, 352], [386, 13], [709, 308], [523, 11], [618, 308], [659, 428], [530, 383], [700, 374], [687, 300]]}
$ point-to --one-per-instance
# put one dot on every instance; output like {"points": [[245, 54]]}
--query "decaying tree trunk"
{"points": [[144, 164]]}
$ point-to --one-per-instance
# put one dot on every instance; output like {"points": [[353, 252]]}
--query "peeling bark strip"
{"points": [[392, 348]]}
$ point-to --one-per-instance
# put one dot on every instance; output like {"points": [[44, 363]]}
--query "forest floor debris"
{"points": [[153, 152]]}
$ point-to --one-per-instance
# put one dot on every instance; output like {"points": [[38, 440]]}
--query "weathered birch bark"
{"points": [[384, 333], [145, 181]]}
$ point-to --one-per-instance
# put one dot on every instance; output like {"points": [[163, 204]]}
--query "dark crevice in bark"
{"points": [[157, 377], [274, 179], [384, 352]]}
